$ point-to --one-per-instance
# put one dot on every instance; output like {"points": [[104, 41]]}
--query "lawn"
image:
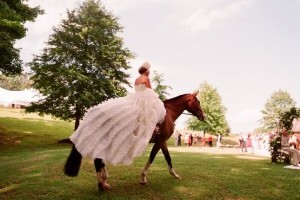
{"points": [[31, 163]]}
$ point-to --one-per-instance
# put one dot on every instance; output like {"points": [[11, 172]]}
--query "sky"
{"points": [[246, 49]]}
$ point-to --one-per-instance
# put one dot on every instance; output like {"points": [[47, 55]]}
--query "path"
{"points": [[215, 150]]}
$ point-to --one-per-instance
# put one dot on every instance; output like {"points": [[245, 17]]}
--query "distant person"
{"points": [[219, 139], [195, 140], [199, 140], [244, 143], [210, 139], [179, 139], [241, 140], [285, 145], [203, 141], [190, 140], [249, 143], [186, 139]]}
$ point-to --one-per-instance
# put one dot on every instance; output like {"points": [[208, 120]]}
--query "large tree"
{"points": [[13, 15], [279, 103], [159, 87], [211, 103], [83, 64]]}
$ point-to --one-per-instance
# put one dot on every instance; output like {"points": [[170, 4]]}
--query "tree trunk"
{"points": [[77, 118], [77, 121]]}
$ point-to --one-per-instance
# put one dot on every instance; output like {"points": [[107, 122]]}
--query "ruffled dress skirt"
{"points": [[120, 129]]}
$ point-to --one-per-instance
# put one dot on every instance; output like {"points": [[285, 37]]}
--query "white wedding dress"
{"points": [[120, 129]]}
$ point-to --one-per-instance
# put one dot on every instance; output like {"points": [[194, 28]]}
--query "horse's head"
{"points": [[194, 106]]}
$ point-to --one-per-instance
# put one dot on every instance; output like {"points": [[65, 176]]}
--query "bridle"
{"points": [[197, 113], [187, 113]]}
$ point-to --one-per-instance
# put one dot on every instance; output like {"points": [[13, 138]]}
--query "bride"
{"points": [[120, 129]]}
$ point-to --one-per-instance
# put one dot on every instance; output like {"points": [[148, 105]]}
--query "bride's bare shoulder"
{"points": [[140, 80]]}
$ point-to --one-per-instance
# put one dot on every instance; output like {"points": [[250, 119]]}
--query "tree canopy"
{"points": [[279, 103], [83, 64], [211, 103], [286, 119], [13, 15], [159, 87]]}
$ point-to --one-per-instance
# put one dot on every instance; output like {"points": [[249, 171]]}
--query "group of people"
{"points": [[258, 144], [261, 144], [246, 142], [192, 140]]}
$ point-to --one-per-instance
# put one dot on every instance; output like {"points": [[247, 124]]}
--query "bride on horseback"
{"points": [[119, 129]]}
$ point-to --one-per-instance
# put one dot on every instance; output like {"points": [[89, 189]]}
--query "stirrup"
{"points": [[156, 130]]}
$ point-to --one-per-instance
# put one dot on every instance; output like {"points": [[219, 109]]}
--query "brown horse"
{"points": [[174, 108]]}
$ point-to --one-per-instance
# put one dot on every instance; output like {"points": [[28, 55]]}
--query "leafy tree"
{"points": [[286, 119], [20, 82], [13, 15], [83, 64], [211, 102], [279, 103], [159, 88]]}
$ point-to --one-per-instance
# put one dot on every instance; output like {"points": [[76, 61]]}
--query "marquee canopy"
{"points": [[24, 97]]}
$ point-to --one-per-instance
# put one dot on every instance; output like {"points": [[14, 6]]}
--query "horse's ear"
{"points": [[196, 93]]}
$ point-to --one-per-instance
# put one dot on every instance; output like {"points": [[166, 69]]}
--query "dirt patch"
{"points": [[5, 139], [8, 188]]}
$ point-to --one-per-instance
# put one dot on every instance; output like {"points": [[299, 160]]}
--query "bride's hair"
{"points": [[146, 66]]}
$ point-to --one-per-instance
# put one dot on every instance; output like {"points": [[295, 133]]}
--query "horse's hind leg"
{"points": [[166, 153], [102, 174], [153, 153]]}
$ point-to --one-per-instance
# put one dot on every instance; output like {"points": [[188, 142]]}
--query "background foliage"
{"points": [[279, 103], [211, 102], [13, 15], [83, 64], [159, 87]]}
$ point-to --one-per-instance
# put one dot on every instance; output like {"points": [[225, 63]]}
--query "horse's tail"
{"points": [[73, 163]]}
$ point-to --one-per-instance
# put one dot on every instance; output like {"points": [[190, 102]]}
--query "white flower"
{"points": [[146, 65]]}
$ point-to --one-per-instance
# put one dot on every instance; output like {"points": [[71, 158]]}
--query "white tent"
{"points": [[21, 98]]}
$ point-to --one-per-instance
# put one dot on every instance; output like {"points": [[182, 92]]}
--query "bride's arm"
{"points": [[148, 84]]}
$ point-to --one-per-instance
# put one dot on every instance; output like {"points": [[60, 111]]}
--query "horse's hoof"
{"points": [[143, 182], [177, 177], [103, 186]]}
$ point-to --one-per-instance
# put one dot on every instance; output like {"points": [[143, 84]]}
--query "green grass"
{"points": [[31, 163]]}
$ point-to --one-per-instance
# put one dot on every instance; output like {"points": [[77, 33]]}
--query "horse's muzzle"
{"points": [[200, 116]]}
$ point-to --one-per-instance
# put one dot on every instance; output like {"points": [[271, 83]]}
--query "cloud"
{"points": [[214, 15]]}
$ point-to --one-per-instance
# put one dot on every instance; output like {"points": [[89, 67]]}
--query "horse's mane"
{"points": [[167, 101]]}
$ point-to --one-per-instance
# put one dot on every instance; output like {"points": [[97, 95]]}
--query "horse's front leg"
{"points": [[102, 174], [153, 153], [166, 153]]}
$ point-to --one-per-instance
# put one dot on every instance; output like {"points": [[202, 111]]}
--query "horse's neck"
{"points": [[176, 108]]}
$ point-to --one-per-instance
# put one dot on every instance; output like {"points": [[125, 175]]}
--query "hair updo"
{"points": [[145, 67]]}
